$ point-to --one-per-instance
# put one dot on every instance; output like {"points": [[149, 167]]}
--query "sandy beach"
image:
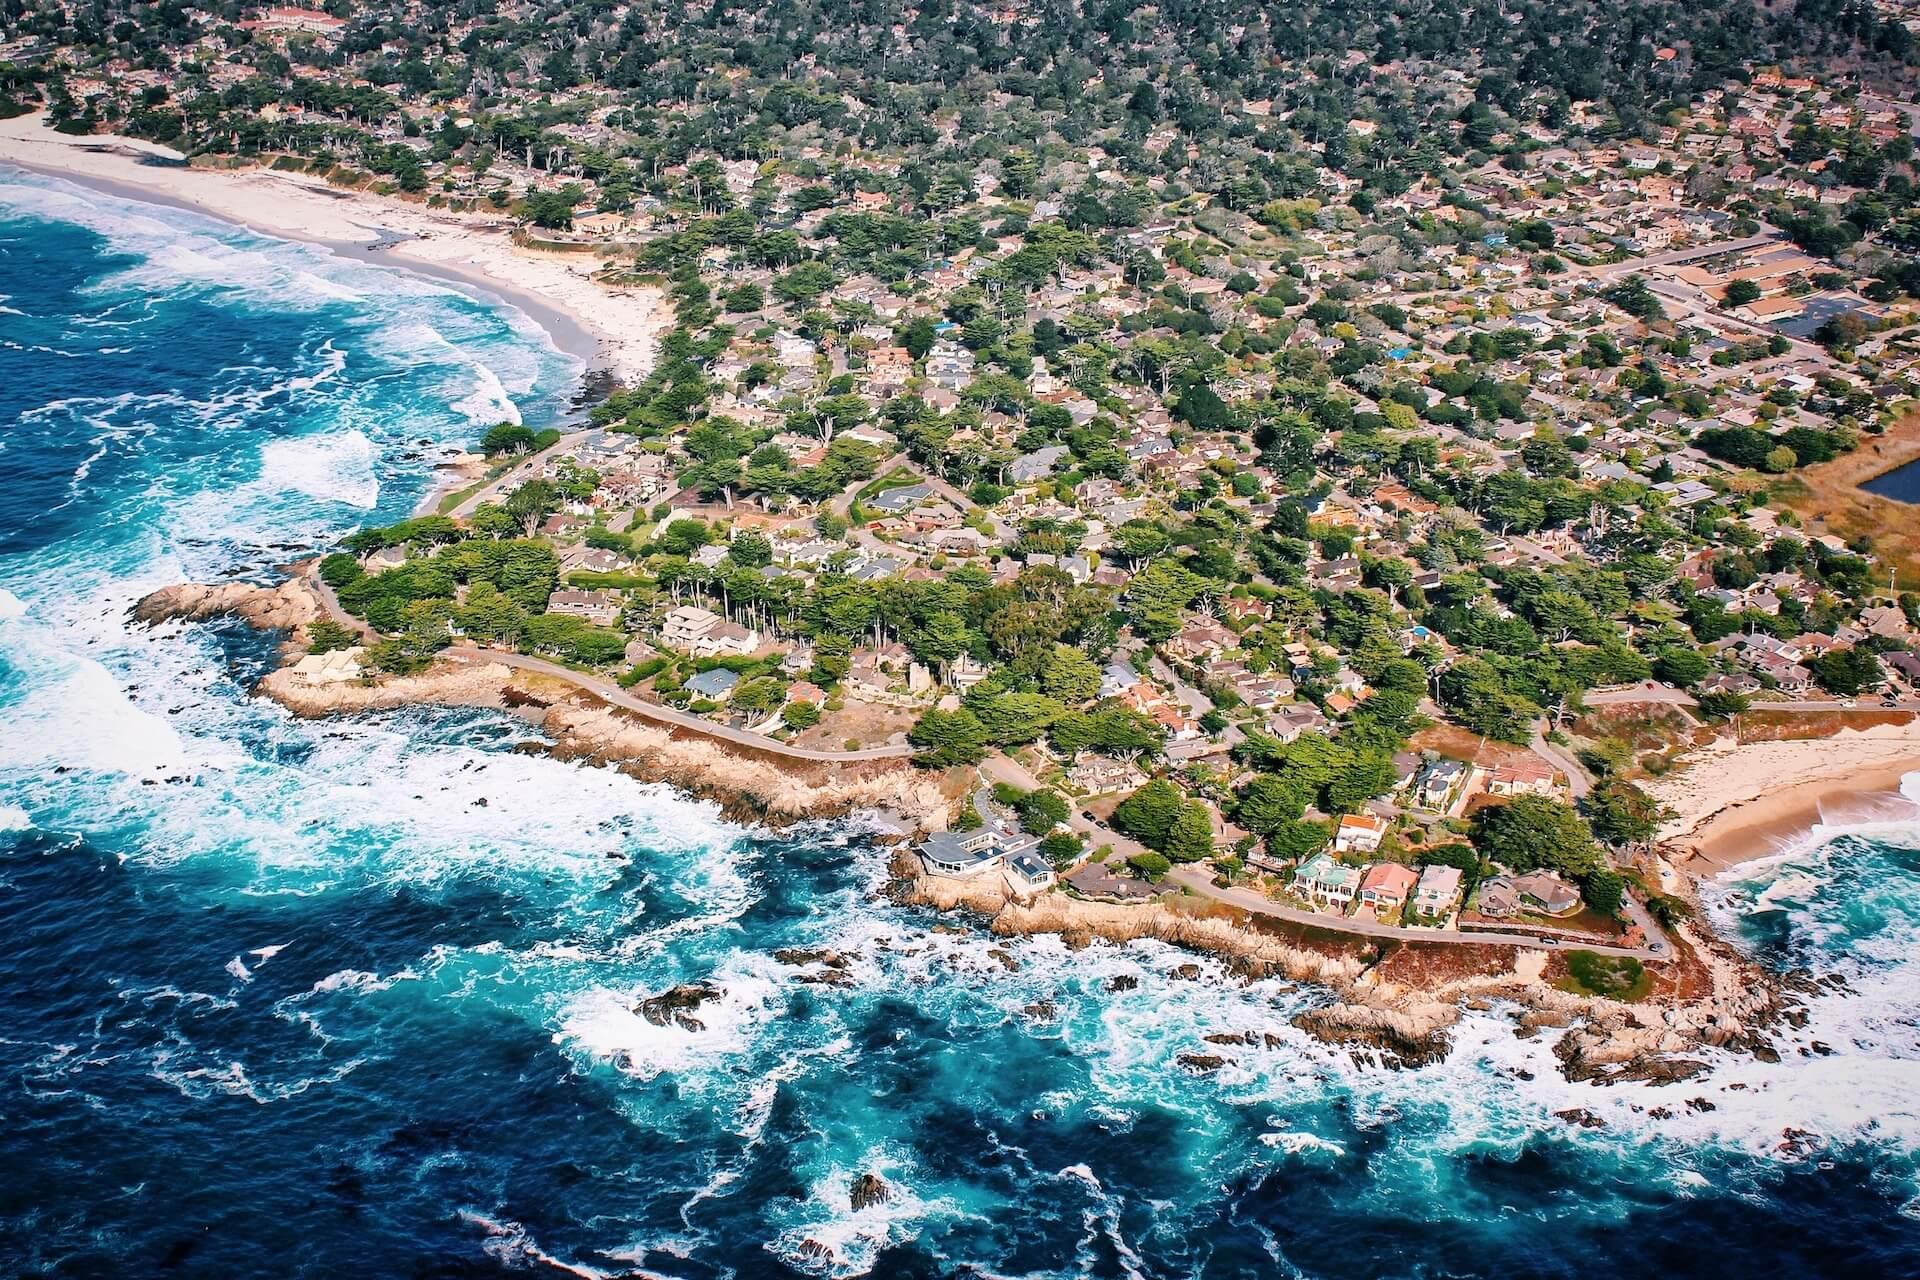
{"points": [[612, 328], [1733, 803]]}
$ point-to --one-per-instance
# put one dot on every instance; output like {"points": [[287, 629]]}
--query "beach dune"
{"points": [[615, 328]]}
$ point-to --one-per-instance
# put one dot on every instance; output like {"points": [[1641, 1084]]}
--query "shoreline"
{"points": [[1736, 804], [603, 328]]}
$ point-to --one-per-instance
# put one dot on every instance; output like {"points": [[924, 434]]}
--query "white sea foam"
{"points": [[487, 402], [12, 607], [606, 1026], [333, 468], [14, 818]]}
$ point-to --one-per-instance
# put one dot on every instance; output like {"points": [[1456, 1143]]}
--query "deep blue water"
{"points": [[1902, 484], [285, 998]]}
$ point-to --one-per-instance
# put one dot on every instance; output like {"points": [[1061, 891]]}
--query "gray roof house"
{"points": [[715, 686]]}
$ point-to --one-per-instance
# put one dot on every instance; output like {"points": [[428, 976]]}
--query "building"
{"points": [[1437, 891], [1547, 891], [337, 666], [1520, 777], [961, 853], [705, 634], [601, 608], [1325, 882], [1385, 886], [713, 686], [1359, 833], [1498, 897]]}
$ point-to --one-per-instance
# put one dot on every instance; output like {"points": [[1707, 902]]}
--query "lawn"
{"points": [[1615, 977]]}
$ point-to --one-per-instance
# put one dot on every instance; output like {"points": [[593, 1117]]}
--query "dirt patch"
{"points": [[1786, 726], [1456, 743]]}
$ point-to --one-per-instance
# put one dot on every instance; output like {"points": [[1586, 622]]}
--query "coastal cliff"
{"points": [[750, 783], [1398, 1006]]}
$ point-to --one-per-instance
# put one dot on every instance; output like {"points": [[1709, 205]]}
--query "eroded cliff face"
{"points": [[745, 781], [1713, 1000]]}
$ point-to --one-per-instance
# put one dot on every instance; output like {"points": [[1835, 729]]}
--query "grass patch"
{"points": [[1615, 977], [451, 500]]}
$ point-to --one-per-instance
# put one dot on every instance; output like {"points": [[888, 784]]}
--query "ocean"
{"points": [[287, 998]]}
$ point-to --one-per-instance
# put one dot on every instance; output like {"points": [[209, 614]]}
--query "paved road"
{"points": [[1620, 270], [522, 471], [331, 603], [1685, 701], [1555, 758], [612, 693], [1198, 878], [998, 768]]}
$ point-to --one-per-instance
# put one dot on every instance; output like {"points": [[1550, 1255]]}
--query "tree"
{"points": [[1536, 831], [326, 635], [1604, 890], [1190, 838], [1150, 866], [1680, 665], [1149, 813], [1741, 292], [800, 715], [1061, 850], [1041, 811], [1846, 671], [1069, 675], [1621, 813], [507, 437], [948, 738]]}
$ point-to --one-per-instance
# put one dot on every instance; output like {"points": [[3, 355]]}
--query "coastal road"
{"points": [[1197, 878], [526, 469], [614, 695], [1564, 762]]}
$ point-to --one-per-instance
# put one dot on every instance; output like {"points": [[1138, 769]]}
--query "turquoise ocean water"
{"points": [[286, 998]]}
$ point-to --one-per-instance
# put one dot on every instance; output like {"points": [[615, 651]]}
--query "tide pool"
{"points": [[303, 998]]}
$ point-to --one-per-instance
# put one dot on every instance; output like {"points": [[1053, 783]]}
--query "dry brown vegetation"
{"points": [[1828, 498]]}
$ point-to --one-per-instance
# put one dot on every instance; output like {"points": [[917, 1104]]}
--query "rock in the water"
{"points": [[1582, 1117], [1122, 982], [868, 1189], [676, 1005], [1043, 1010], [1201, 1062]]}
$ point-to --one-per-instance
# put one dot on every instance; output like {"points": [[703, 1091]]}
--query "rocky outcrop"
{"points": [[284, 607], [676, 1006], [752, 785], [1396, 1038], [480, 684], [868, 1189]]}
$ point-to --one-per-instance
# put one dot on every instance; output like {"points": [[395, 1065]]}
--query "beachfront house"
{"points": [[1325, 882], [1437, 890], [1547, 891], [713, 686], [1385, 886]]}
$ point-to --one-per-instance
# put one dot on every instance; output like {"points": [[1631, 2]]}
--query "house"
{"points": [[714, 686], [1520, 777], [1027, 872], [705, 634], [1101, 775], [1359, 833], [1385, 886], [961, 853], [601, 608], [1437, 782], [336, 666], [1438, 888], [1546, 890], [1328, 883], [1498, 897], [900, 499]]}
